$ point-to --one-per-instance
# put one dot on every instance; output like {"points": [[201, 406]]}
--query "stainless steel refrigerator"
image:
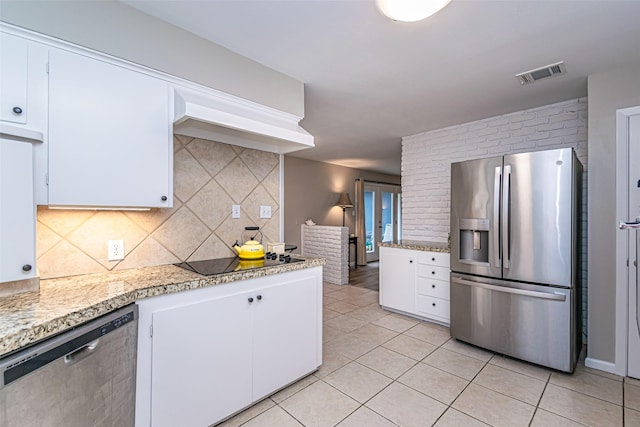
{"points": [[514, 255]]}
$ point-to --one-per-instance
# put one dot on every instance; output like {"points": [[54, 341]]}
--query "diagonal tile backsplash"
{"points": [[208, 178]]}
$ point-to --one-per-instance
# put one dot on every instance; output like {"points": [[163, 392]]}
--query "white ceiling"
{"points": [[370, 81]]}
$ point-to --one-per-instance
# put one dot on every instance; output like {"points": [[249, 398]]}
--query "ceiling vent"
{"points": [[552, 70]]}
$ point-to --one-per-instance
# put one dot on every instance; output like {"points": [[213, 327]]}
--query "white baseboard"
{"points": [[601, 365]]}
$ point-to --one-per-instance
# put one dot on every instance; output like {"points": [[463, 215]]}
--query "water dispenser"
{"points": [[474, 240]]}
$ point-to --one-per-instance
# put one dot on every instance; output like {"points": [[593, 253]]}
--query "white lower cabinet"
{"points": [[415, 282], [214, 351]]}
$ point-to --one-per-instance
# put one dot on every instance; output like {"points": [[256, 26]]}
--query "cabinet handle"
{"points": [[410, 261], [433, 304], [433, 272], [163, 198], [433, 259], [259, 297], [26, 267], [433, 286], [250, 300], [17, 110]]}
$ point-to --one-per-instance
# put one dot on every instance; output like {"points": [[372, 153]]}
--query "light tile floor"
{"points": [[382, 370]]}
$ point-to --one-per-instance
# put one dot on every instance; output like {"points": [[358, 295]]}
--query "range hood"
{"points": [[220, 117]]}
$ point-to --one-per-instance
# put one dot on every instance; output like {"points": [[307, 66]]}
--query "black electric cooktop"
{"points": [[211, 267]]}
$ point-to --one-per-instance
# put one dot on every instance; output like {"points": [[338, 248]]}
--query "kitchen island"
{"points": [[414, 279], [231, 338]]}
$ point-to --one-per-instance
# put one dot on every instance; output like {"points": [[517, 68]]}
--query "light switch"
{"points": [[235, 211], [265, 211]]}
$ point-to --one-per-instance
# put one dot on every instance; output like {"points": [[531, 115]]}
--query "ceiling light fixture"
{"points": [[410, 10]]}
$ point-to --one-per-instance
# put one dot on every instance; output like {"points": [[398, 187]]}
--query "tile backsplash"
{"points": [[209, 177]]}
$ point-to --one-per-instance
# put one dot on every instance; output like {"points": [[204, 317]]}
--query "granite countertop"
{"points": [[63, 303], [418, 245]]}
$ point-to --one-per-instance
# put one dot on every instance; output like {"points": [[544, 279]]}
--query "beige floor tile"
{"points": [[330, 362], [358, 381], [340, 294], [632, 381], [287, 392], [326, 300], [329, 314], [632, 396], [319, 405], [590, 384], [430, 334], [599, 372], [395, 323], [387, 362], [350, 346], [370, 313], [580, 407], [248, 414], [433, 382], [329, 333], [410, 347], [342, 307], [468, 350], [363, 300], [511, 383], [275, 416], [330, 287], [365, 417], [631, 418], [493, 408], [529, 369], [453, 418], [544, 418], [355, 290], [406, 407], [455, 363], [345, 323], [374, 334]]}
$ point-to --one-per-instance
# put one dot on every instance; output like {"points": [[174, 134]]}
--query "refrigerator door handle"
{"points": [[543, 295], [496, 216], [506, 217]]}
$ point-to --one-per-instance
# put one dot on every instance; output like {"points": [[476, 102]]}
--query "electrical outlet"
{"points": [[115, 250], [265, 211], [235, 211]]}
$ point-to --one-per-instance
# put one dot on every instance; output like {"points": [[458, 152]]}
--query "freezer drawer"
{"points": [[529, 322]]}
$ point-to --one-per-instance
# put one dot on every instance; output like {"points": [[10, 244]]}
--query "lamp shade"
{"points": [[410, 10], [344, 201]]}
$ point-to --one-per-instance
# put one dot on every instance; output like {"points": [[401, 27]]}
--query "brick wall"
{"points": [[332, 244], [427, 158]]}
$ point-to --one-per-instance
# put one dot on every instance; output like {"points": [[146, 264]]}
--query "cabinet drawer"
{"points": [[432, 287], [430, 306], [434, 258], [433, 272]]}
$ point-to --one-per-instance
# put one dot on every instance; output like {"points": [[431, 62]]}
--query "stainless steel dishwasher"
{"points": [[83, 377]]}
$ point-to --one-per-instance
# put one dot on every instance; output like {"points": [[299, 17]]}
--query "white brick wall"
{"points": [[332, 244], [427, 158]]}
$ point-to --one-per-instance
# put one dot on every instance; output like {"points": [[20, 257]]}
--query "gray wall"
{"points": [[607, 92], [311, 190], [122, 31]]}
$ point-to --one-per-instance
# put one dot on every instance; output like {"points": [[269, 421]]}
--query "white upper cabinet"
{"points": [[17, 211], [14, 62], [110, 137]]}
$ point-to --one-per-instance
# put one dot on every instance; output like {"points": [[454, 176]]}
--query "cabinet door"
{"points": [[17, 211], [201, 364], [285, 334], [109, 135], [13, 78], [397, 279]]}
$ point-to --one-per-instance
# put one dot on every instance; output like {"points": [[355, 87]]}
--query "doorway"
{"points": [[382, 211], [628, 241]]}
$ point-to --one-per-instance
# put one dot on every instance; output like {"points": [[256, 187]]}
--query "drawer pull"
{"points": [[433, 259], [433, 272], [433, 286], [433, 304]]}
